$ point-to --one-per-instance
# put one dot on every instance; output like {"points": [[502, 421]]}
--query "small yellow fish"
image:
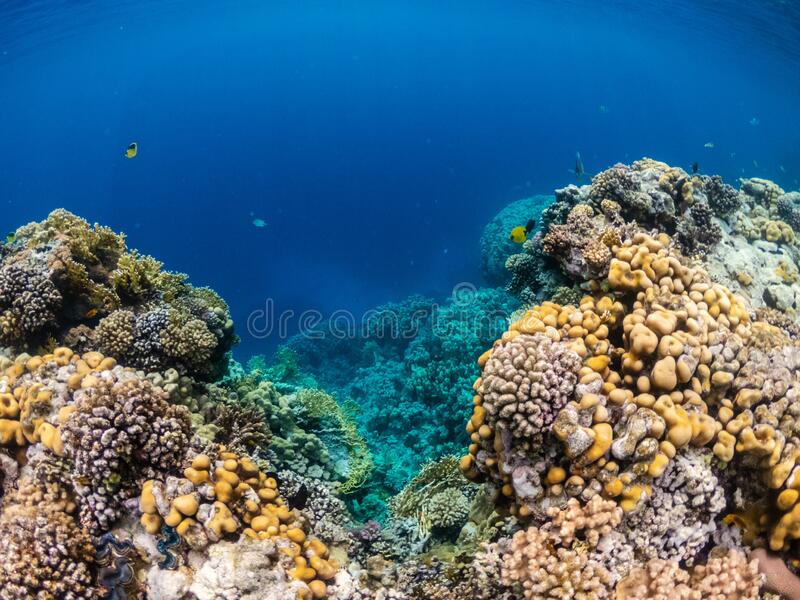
{"points": [[132, 151], [518, 235], [733, 519], [92, 312]]}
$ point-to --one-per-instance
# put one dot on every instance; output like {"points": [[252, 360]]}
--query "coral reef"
{"points": [[80, 285], [406, 374], [632, 432], [495, 243], [45, 552], [670, 363]]}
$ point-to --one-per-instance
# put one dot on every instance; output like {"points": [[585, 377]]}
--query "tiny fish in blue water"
{"points": [[259, 223], [11, 237], [709, 145], [132, 150], [695, 167], [782, 168], [754, 121], [602, 109]]}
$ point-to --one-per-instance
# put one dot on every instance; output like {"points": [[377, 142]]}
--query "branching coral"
{"points": [[723, 198], [44, 552], [438, 497], [120, 431], [327, 515], [697, 233], [62, 276], [727, 576], [525, 384], [28, 301], [544, 570]]}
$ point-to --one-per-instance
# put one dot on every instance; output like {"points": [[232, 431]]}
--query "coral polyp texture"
{"points": [[65, 280], [631, 406]]}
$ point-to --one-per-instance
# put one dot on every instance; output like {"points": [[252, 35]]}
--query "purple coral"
{"points": [[526, 382], [122, 432], [28, 300]]}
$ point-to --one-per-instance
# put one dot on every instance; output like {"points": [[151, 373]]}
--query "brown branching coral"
{"points": [[28, 303], [579, 244], [44, 552], [697, 233], [544, 570], [597, 518], [240, 427], [728, 575]]}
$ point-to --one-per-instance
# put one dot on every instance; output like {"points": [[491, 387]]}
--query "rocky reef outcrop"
{"points": [[631, 433]]}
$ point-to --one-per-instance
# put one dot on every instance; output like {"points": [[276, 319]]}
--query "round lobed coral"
{"points": [[232, 496]]}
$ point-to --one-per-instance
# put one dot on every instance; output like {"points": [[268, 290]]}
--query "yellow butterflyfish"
{"points": [[520, 234], [132, 150]]}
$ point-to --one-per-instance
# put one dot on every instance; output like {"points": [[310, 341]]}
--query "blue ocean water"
{"points": [[374, 140]]}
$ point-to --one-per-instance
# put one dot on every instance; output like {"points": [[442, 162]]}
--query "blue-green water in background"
{"points": [[374, 140]]}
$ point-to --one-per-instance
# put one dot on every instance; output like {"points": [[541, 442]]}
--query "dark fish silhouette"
{"points": [[299, 499], [695, 167]]}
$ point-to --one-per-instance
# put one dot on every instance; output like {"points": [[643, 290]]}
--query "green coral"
{"points": [[320, 405], [88, 244], [284, 371], [140, 276], [438, 497]]}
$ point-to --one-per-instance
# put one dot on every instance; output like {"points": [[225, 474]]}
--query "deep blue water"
{"points": [[375, 139]]}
